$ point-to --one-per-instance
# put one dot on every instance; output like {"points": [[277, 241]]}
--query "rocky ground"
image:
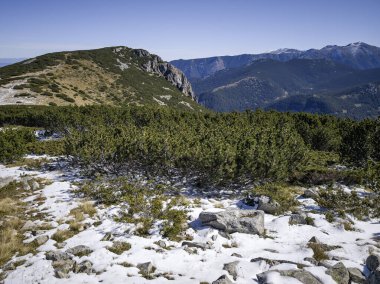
{"points": [[78, 241]]}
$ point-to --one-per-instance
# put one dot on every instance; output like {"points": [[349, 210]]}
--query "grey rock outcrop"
{"points": [[235, 220], [63, 267], [264, 203], [202, 246], [40, 240], [84, 267], [146, 268], [301, 275], [231, 268], [172, 74], [80, 250], [356, 275], [222, 280], [311, 193], [57, 255], [273, 262], [374, 277], [372, 262], [297, 219], [339, 273]]}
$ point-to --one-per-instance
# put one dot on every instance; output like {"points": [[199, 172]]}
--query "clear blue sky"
{"points": [[184, 28]]}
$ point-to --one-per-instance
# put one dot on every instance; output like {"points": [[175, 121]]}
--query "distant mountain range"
{"points": [[8, 61], [339, 80], [112, 75]]}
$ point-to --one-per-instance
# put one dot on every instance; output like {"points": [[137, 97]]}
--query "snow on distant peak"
{"points": [[284, 50]]}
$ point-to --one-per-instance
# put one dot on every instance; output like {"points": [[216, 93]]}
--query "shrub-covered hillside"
{"points": [[112, 76], [211, 148]]}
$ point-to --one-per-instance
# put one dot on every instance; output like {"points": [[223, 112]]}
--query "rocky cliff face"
{"points": [[172, 74]]}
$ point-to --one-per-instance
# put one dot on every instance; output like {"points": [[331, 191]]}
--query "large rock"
{"points": [[172, 74], [80, 250], [62, 268], [146, 268], [374, 277], [356, 275], [373, 262], [339, 273], [235, 220], [222, 280], [303, 276], [40, 240], [311, 193], [264, 203], [231, 268], [57, 255], [84, 267], [297, 219]]}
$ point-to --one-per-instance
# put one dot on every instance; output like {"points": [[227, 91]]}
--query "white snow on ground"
{"points": [[285, 242], [161, 103], [186, 104], [7, 94]]}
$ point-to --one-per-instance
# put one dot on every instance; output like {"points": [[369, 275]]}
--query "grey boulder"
{"points": [[146, 268], [231, 268], [235, 220], [40, 240], [63, 267], [297, 219], [339, 273], [57, 255], [202, 246], [356, 275], [80, 250], [222, 280], [264, 203], [84, 267], [373, 262], [301, 275]]}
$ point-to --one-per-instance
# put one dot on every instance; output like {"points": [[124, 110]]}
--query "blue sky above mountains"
{"points": [[177, 29]]}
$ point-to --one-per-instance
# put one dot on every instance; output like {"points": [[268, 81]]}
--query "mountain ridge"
{"points": [[110, 75], [358, 55]]}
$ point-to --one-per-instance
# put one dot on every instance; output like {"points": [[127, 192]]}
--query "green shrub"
{"points": [[13, 143]]}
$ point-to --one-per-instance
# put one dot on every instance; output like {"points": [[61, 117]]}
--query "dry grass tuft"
{"points": [[62, 235]]}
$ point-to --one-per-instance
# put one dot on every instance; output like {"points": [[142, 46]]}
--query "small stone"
{"points": [[339, 273], [107, 237], [161, 244], [40, 240], [61, 245], [311, 260], [222, 280], [297, 219], [57, 255], [190, 250], [356, 275], [225, 235], [35, 185], [29, 226], [62, 268], [231, 268], [84, 267], [311, 193], [237, 255], [80, 250], [373, 262], [214, 237], [202, 246], [146, 268]]}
